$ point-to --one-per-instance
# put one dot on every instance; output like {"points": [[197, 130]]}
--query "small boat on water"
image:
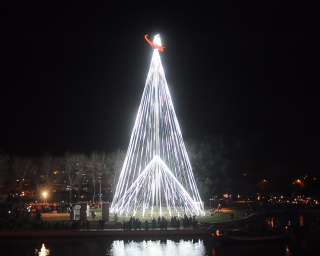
{"points": [[239, 236]]}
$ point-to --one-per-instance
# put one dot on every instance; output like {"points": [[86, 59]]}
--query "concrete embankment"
{"points": [[100, 233]]}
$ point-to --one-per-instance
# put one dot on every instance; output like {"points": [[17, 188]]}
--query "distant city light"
{"points": [[298, 181]]}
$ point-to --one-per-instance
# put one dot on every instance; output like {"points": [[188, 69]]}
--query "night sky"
{"points": [[72, 76]]}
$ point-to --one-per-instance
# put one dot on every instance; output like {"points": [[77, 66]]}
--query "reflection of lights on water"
{"points": [[155, 248], [301, 221], [43, 251], [213, 252], [287, 251]]}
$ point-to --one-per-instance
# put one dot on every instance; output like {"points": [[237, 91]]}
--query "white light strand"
{"points": [[156, 170]]}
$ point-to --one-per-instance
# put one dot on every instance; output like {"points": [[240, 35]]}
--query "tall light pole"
{"points": [[100, 191], [214, 202], [45, 197], [210, 202]]}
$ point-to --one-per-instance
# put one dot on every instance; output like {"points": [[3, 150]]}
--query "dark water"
{"points": [[130, 247], [298, 243]]}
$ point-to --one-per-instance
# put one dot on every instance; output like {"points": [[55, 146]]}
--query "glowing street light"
{"points": [[297, 182], [45, 197]]}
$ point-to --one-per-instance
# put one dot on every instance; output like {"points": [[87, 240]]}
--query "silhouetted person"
{"points": [[146, 225], [87, 224]]}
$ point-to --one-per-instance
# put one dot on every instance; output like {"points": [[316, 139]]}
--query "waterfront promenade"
{"points": [[60, 225]]}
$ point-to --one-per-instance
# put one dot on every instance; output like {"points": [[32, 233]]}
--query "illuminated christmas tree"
{"points": [[156, 173]]}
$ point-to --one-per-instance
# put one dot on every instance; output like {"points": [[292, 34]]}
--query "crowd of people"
{"points": [[14, 215], [24, 216], [134, 223]]}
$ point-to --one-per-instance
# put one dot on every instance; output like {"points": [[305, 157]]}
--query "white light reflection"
{"points": [[43, 251], [156, 172], [155, 248]]}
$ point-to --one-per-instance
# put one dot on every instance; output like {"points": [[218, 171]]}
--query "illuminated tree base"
{"points": [[156, 172], [141, 194], [147, 214]]}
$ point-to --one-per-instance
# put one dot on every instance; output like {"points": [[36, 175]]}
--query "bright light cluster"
{"points": [[156, 172], [155, 248]]}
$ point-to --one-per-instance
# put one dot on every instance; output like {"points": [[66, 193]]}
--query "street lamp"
{"points": [[210, 202], [100, 190], [214, 203], [45, 197]]}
